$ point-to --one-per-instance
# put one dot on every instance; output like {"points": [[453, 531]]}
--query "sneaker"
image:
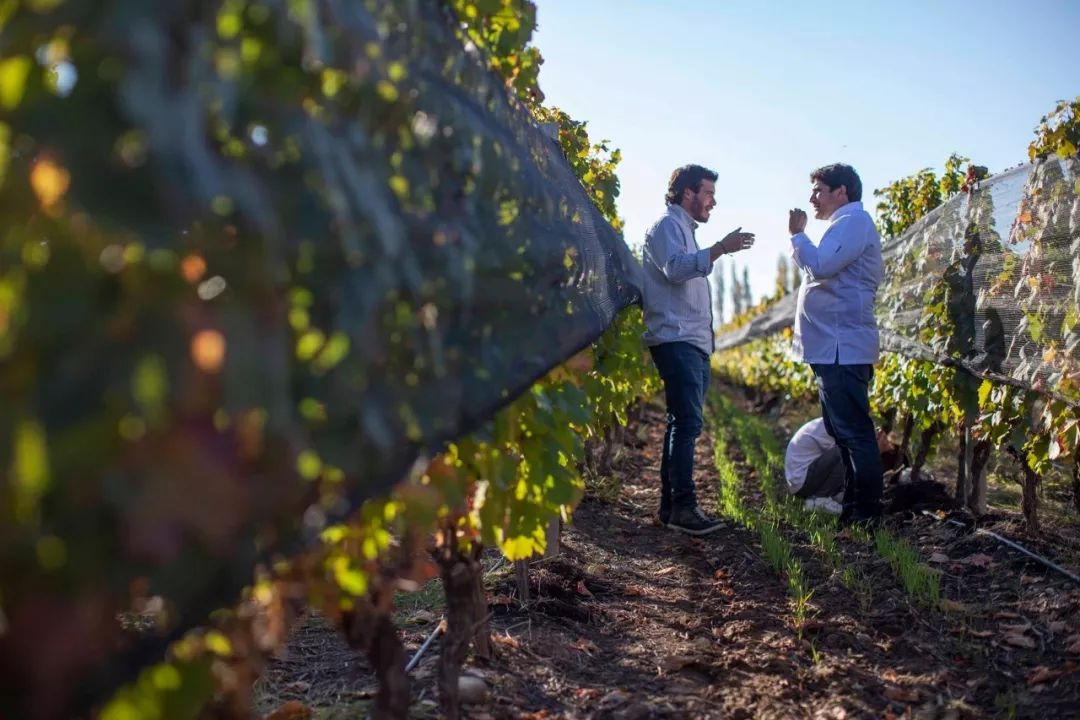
{"points": [[823, 504], [693, 521]]}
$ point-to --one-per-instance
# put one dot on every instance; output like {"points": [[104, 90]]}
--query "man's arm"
{"points": [[666, 249], [842, 243]]}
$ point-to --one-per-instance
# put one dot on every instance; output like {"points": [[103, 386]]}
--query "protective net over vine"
{"points": [[989, 281], [255, 254]]}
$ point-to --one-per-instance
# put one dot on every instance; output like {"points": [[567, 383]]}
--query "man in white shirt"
{"points": [[677, 307], [835, 329]]}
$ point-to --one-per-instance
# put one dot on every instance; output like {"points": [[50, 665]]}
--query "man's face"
{"points": [[698, 204], [826, 201]]}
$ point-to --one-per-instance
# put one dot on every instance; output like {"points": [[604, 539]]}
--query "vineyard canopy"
{"points": [[254, 255]]}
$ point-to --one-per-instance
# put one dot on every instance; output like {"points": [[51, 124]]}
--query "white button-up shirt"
{"points": [[675, 295], [835, 320]]}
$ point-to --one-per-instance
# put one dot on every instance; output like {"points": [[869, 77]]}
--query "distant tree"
{"points": [[718, 292], [782, 286], [796, 278], [748, 298], [736, 293]]}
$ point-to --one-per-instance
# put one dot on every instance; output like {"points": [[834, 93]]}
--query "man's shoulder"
{"points": [[667, 221], [856, 220]]}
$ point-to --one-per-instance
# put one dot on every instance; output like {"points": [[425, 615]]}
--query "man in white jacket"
{"points": [[835, 329]]}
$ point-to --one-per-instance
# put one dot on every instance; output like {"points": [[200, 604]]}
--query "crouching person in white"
{"points": [[814, 468]]}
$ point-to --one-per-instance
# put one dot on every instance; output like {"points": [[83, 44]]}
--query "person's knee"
{"points": [[689, 427]]}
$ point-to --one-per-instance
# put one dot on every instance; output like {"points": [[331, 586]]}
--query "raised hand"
{"points": [[796, 221]]}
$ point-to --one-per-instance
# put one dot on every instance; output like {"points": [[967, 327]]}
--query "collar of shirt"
{"points": [[677, 212], [843, 210]]}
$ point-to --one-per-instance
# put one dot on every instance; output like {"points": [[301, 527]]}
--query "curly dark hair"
{"points": [[687, 177], [839, 174]]}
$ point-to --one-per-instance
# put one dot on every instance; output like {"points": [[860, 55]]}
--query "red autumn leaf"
{"points": [[292, 710]]}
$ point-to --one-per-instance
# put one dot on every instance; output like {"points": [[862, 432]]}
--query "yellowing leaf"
{"points": [[50, 182], [350, 579], [519, 548], [13, 74], [30, 470], [309, 465], [217, 643]]}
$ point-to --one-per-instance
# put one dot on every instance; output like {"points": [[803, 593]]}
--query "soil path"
{"points": [[633, 620]]}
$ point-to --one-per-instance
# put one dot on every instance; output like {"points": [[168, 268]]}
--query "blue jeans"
{"points": [[685, 372], [844, 391]]}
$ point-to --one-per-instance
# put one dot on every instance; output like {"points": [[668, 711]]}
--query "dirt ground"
{"points": [[633, 620]]}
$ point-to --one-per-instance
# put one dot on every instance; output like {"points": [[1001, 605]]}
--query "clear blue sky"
{"points": [[763, 92]]}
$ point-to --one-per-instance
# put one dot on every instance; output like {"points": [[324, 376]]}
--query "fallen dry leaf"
{"points": [[953, 606], [292, 710], [584, 645], [1015, 629], [677, 662], [666, 571], [939, 558], [978, 560], [1043, 674], [422, 617], [981, 633], [1056, 627], [582, 590], [1029, 579], [899, 694], [1022, 641], [1072, 644], [507, 640]]}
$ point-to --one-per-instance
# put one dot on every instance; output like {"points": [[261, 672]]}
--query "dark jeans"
{"points": [[826, 476], [685, 372], [844, 391]]}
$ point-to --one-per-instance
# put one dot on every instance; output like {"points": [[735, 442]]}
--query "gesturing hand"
{"points": [[736, 240], [796, 221]]}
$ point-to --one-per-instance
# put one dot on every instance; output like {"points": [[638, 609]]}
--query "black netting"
{"points": [[239, 232], [990, 281]]}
